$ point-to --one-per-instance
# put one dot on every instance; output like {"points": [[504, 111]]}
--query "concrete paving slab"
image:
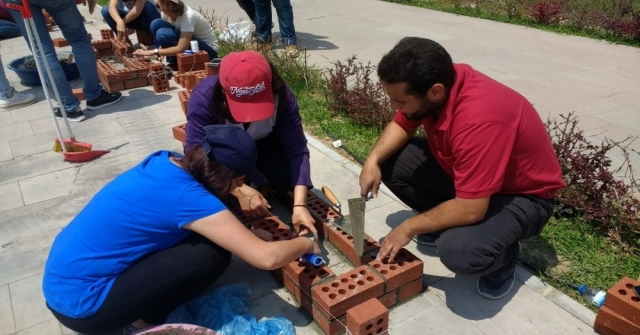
{"points": [[605, 78], [48, 186], [5, 152], [144, 120], [29, 307], [51, 327], [33, 145], [5, 118], [26, 256], [6, 313], [10, 196], [38, 110], [522, 311], [627, 99], [631, 115], [577, 85], [31, 166], [14, 131], [567, 100]]}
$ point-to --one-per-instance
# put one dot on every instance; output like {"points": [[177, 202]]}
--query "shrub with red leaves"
{"points": [[352, 92], [545, 12], [592, 186]]}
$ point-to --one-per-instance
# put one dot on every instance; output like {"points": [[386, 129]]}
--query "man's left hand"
{"points": [[303, 222], [396, 240], [143, 53]]}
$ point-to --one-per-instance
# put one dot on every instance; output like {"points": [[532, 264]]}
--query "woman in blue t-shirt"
{"points": [[157, 236]]}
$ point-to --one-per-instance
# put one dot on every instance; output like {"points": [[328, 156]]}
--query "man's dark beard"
{"points": [[427, 109]]}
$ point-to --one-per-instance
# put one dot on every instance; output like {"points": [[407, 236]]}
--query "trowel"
{"points": [[353, 223]]}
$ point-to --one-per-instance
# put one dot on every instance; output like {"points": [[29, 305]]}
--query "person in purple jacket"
{"points": [[249, 93]]}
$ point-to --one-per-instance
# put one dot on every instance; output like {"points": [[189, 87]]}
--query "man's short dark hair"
{"points": [[419, 62]]}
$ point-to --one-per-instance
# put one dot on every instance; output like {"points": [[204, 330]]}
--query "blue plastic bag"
{"points": [[225, 310]]}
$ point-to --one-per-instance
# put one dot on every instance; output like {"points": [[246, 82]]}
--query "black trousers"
{"points": [[274, 163], [248, 7], [486, 247], [154, 286]]}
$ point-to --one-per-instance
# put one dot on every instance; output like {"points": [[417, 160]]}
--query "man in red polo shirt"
{"points": [[483, 179]]}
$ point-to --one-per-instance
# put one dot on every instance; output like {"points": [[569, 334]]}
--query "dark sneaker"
{"points": [[428, 239], [497, 285], [105, 99], [74, 116]]}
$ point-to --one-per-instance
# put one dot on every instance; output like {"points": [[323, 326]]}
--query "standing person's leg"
{"points": [[490, 248], [148, 15], [69, 101], [284, 10], [263, 21], [9, 98], [153, 287], [9, 29], [248, 7], [68, 18]]}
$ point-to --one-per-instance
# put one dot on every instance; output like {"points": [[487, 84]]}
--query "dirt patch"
{"points": [[539, 254]]}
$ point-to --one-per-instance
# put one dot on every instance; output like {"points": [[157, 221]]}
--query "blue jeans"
{"points": [[9, 29], [285, 21], [167, 36], [69, 20], [248, 7], [5, 85], [142, 22]]}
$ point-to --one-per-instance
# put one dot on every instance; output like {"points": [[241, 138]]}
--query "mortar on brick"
{"points": [[405, 269]]}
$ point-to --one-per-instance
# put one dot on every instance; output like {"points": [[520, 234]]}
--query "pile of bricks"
{"points": [[358, 299], [620, 314]]}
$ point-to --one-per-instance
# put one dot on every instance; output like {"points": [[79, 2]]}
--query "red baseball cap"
{"points": [[246, 80]]}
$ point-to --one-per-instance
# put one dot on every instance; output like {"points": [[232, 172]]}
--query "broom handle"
{"points": [[32, 32]]}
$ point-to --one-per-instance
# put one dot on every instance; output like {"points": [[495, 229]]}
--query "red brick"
{"points": [[189, 63], [348, 290], [60, 42], [145, 37], [201, 58], [329, 325], [234, 207], [200, 76], [184, 96], [120, 75], [322, 213], [622, 300], [114, 86], [404, 269], [78, 93], [370, 317], [389, 299], [212, 69], [128, 62], [190, 86], [106, 34], [609, 323], [344, 242], [304, 276], [160, 82], [179, 132], [102, 44], [134, 83], [408, 291]]}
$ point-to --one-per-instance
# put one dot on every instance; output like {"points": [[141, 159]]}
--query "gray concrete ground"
{"points": [[40, 193]]}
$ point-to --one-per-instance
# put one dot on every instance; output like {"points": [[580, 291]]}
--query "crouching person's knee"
{"points": [[461, 256]]}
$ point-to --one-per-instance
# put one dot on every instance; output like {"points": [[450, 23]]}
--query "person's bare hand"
{"points": [[370, 179], [254, 205], [393, 243], [121, 31], [303, 222], [143, 53]]}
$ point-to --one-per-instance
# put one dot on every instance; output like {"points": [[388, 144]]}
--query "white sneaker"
{"points": [[17, 100]]}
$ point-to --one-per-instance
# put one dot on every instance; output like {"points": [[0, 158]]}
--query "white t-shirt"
{"points": [[193, 22]]}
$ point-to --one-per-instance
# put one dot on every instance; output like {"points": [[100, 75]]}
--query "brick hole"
{"points": [[385, 261], [352, 287], [377, 266], [636, 299], [316, 267], [349, 238], [275, 238], [285, 234], [374, 257], [325, 289], [369, 278], [343, 233], [262, 223], [301, 264], [314, 208], [332, 296], [379, 331], [369, 327], [384, 272], [629, 286], [341, 291], [344, 280], [360, 282], [392, 267], [402, 254], [354, 276], [335, 284], [317, 202], [323, 273], [401, 263], [312, 276], [324, 216], [380, 321], [338, 229], [369, 244], [363, 272], [622, 292], [306, 271]]}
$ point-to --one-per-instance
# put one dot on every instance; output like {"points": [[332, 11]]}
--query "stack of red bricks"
{"points": [[620, 314], [359, 299], [193, 68]]}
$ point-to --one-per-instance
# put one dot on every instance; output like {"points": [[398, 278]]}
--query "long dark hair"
{"points": [[218, 103], [215, 177]]}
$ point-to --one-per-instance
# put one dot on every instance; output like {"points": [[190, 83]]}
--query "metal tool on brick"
{"points": [[353, 223]]}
